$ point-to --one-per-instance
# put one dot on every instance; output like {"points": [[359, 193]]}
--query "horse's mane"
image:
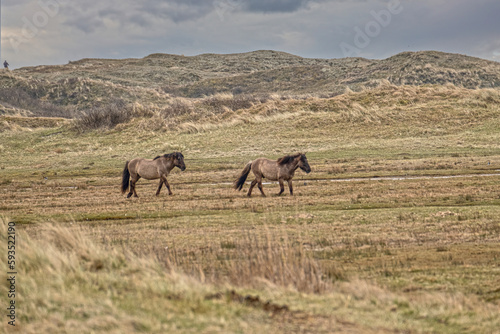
{"points": [[178, 155], [287, 159]]}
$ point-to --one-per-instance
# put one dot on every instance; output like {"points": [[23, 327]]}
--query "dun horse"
{"points": [[158, 168], [281, 170]]}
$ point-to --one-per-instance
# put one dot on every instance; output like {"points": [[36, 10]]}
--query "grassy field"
{"points": [[396, 229]]}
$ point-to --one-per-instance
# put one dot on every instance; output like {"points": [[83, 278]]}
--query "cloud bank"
{"points": [[55, 31]]}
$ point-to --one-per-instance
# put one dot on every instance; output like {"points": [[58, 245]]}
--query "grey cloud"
{"points": [[275, 6], [187, 10], [88, 16], [176, 11], [312, 28]]}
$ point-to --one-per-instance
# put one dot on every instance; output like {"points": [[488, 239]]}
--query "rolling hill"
{"points": [[154, 80]]}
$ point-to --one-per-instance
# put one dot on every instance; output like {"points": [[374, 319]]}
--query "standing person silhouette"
{"points": [[6, 64]]}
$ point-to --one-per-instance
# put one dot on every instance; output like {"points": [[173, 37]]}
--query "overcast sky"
{"points": [[37, 32]]}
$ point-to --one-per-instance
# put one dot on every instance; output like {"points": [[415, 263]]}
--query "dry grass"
{"points": [[252, 261], [378, 239], [155, 79], [426, 256], [23, 103], [104, 117], [353, 250], [196, 115], [385, 107]]}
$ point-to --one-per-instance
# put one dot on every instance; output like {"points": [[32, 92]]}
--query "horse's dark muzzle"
{"points": [[307, 170], [183, 168]]}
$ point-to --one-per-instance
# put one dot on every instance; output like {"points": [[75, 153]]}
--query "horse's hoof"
{"points": [[128, 196]]}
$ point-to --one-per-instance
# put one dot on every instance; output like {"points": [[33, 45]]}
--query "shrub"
{"points": [[104, 117], [18, 98], [178, 107]]}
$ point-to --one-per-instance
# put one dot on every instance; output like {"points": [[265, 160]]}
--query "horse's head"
{"points": [[179, 161], [304, 164]]}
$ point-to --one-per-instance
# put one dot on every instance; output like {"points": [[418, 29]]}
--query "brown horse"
{"points": [[281, 170], [158, 168]]}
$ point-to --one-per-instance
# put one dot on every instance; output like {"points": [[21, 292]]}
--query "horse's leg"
{"points": [[259, 184], [159, 187], [167, 185], [132, 186], [254, 182], [290, 186], [282, 186]]}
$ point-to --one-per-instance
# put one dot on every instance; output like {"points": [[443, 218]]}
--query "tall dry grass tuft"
{"points": [[178, 107], [275, 260], [252, 261], [68, 284], [221, 102], [207, 113], [104, 117]]}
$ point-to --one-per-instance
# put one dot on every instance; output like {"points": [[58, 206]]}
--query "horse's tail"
{"points": [[125, 178], [238, 184]]}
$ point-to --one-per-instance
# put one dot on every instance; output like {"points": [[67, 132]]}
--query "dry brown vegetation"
{"points": [[395, 230], [154, 80]]}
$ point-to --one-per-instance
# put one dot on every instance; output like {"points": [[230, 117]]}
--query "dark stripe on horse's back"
{"points": [[287, 159], [178, 155]]}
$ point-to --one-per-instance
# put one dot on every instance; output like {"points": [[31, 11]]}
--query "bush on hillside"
{"points": [[178, 107], [18, 98], [104, 117]]}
